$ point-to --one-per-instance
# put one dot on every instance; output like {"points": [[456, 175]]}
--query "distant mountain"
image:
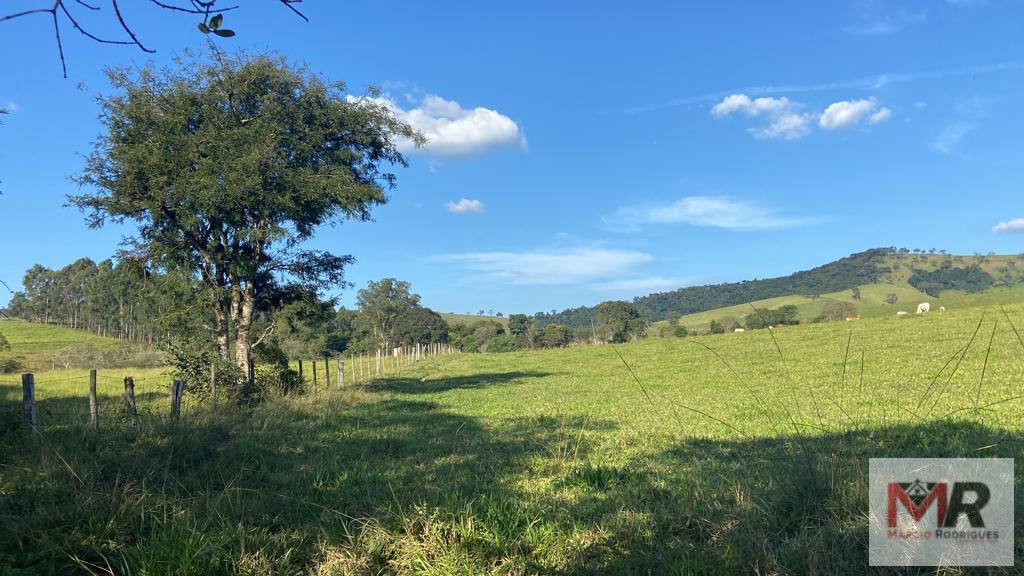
{"points": [[926, 272]]}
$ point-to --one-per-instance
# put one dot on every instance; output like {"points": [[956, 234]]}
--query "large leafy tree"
{"points": [[381, 304], [619, 321], [227, 165]]}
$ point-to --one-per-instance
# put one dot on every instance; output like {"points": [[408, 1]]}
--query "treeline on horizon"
{"points": [[857, 269], [123, 299]]}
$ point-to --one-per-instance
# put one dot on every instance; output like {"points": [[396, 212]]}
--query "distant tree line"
{"points": [[844, 274], [948, 277]]}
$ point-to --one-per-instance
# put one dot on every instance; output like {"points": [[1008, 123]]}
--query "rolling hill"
{"points": [[913, 277]]}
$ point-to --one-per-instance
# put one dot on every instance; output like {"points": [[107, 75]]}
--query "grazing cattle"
{"points": [[923, 307], [901, 313], [739, 330], [942, 308]]}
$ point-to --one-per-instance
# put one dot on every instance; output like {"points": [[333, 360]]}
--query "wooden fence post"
{"points": [[378, 363], [177, 390], [300, 372], [341, 373], [129, 398], [327, 373], [94, 407], [314, 373], [213, 388], [28, 401]]}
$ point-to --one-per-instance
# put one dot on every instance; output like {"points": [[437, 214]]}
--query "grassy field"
{"points": [[729, 454], [42, 347], [452, 318], [872, 303]]}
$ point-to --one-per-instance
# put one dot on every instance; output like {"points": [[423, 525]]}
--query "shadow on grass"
{"points": [[356, 482], [790, 505], [407, 385]]}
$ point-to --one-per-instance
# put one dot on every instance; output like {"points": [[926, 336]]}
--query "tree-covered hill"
{"points": [[855, 270]]}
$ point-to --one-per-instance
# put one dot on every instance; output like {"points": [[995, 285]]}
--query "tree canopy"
{"points": [[227, 165]]}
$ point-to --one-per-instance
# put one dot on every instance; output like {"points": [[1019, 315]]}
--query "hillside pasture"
{"points": [[728, 454]]}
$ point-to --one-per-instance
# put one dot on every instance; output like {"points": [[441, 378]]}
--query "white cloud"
{"points": [[11, 107], [874, 82], [784, 122], [465, 206], [643, 285], [948, 138], [785, 126], [1010, 226], [880, 116], [452, 130], [567, 266], [707, 211], [846, 113], [880, 20], [920, 104]]}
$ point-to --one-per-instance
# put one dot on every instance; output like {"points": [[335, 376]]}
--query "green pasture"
{"points": [[731, 454]]}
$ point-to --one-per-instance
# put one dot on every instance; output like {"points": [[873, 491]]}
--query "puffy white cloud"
{"points": [[785, 126], [881, 115], [751, 107], [951, 135], [846, 113], [707, 211], [643, 285], [566, 266], [1010, 226], [784, 122], [452, 130], [465, 206]]}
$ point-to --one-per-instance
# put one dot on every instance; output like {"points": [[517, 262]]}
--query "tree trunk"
{"points": [[243, 305]]}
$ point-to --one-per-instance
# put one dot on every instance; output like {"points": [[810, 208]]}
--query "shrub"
{"points": [[5, 346], [271, 382], [502, 343], [836, 311], [681, 331], [891, 298], [716, 327], [10, 364]]}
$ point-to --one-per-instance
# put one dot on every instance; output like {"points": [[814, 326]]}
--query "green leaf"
{"points": [[203, 28], [216, 21], [225, 33]]}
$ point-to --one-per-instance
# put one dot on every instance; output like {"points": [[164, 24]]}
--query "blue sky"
{"points": [[595, 151]]}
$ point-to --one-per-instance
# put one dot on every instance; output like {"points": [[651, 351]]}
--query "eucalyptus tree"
{"points": [[227, 165]]}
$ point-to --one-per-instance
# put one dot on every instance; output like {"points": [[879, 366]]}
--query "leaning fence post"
{"points": [[177, 389], [129, 398], [94, 408], [28, 401]]}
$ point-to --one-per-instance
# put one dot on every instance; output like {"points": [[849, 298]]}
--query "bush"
{"points": [[5, 346], [192, 361], [681, 331], [836, 311], [271, 382], [716, 327], [10, 365], [502, 343]]}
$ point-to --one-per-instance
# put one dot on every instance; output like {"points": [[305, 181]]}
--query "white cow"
{"points": [[942, 308], [739, 330], [901, 313], [924, 307]]}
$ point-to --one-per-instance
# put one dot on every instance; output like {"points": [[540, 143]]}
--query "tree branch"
{"points": [[203, 8]]}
